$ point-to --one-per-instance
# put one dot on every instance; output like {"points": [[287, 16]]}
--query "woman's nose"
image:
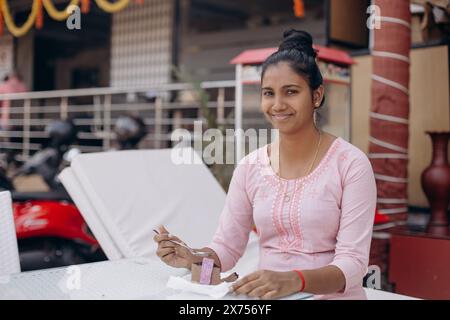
{"points": [[278, 105]]}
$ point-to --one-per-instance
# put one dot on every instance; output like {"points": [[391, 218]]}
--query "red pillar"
{"points": [[389, 126]]}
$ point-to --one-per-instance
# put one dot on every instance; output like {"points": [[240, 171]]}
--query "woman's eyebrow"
{"points": [[283, 87], [291, 85]]}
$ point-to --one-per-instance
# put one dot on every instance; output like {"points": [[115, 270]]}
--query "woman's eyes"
{"points": [[288, 92]]}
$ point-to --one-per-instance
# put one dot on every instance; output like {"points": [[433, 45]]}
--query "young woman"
{"points": [[311, 195]]}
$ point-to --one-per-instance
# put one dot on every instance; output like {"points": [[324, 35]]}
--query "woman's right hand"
{"points": [[170, 253]]}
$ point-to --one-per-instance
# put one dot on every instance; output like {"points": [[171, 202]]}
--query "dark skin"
{"points": [[288, 103]]}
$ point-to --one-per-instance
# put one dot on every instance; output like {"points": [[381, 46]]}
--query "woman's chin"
{"points": [[280, 124], [283, 128]]}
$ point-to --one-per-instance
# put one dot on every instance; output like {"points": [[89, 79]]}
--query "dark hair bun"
{"points": [[298, 40]]}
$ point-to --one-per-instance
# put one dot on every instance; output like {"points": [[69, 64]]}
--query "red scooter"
{"points": [[50, 230]]}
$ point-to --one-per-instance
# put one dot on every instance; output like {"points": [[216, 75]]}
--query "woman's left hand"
{"points": [[267, 284]]}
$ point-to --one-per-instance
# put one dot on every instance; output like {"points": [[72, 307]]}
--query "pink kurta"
{"points": [[325, 218]]}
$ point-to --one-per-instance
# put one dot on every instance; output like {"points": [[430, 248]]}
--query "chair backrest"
{"points": [[9, 252], [124, 195]]}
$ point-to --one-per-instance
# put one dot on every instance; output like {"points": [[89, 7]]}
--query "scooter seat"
{"points": [[60, 195]]}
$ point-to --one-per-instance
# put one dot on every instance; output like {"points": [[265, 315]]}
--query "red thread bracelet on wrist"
{"points": [[300, 274]]}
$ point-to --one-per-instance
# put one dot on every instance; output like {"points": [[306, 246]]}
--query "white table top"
{"points": [[120, 279]]}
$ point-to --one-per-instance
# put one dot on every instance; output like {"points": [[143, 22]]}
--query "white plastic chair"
{"points": [[9, 252], [124, 195]]}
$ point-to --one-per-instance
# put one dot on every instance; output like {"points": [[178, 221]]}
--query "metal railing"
{"points": [[94, 111]]}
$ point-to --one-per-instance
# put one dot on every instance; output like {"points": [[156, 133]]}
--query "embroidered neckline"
{"points": [[293, 214], [270, 173]]}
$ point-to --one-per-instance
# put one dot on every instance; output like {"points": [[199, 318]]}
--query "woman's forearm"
{"points": [[326, 280]]}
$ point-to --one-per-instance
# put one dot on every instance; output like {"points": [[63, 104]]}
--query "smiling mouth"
{"points": [[281, 117]]}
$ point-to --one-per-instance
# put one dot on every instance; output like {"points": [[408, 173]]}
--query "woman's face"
{"points": [[287, 100]]}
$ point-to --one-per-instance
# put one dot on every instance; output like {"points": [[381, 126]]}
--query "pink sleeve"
{"points": [[236, 222], [356, 223]]}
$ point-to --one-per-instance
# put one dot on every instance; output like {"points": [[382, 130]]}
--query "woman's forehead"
{"points": [[280, 75]]}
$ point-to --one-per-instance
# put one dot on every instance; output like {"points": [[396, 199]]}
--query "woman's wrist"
{"points": [[299, 280], [191, 259]]}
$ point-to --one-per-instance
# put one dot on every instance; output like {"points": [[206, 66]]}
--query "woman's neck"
{"points": [[300, 145]]}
